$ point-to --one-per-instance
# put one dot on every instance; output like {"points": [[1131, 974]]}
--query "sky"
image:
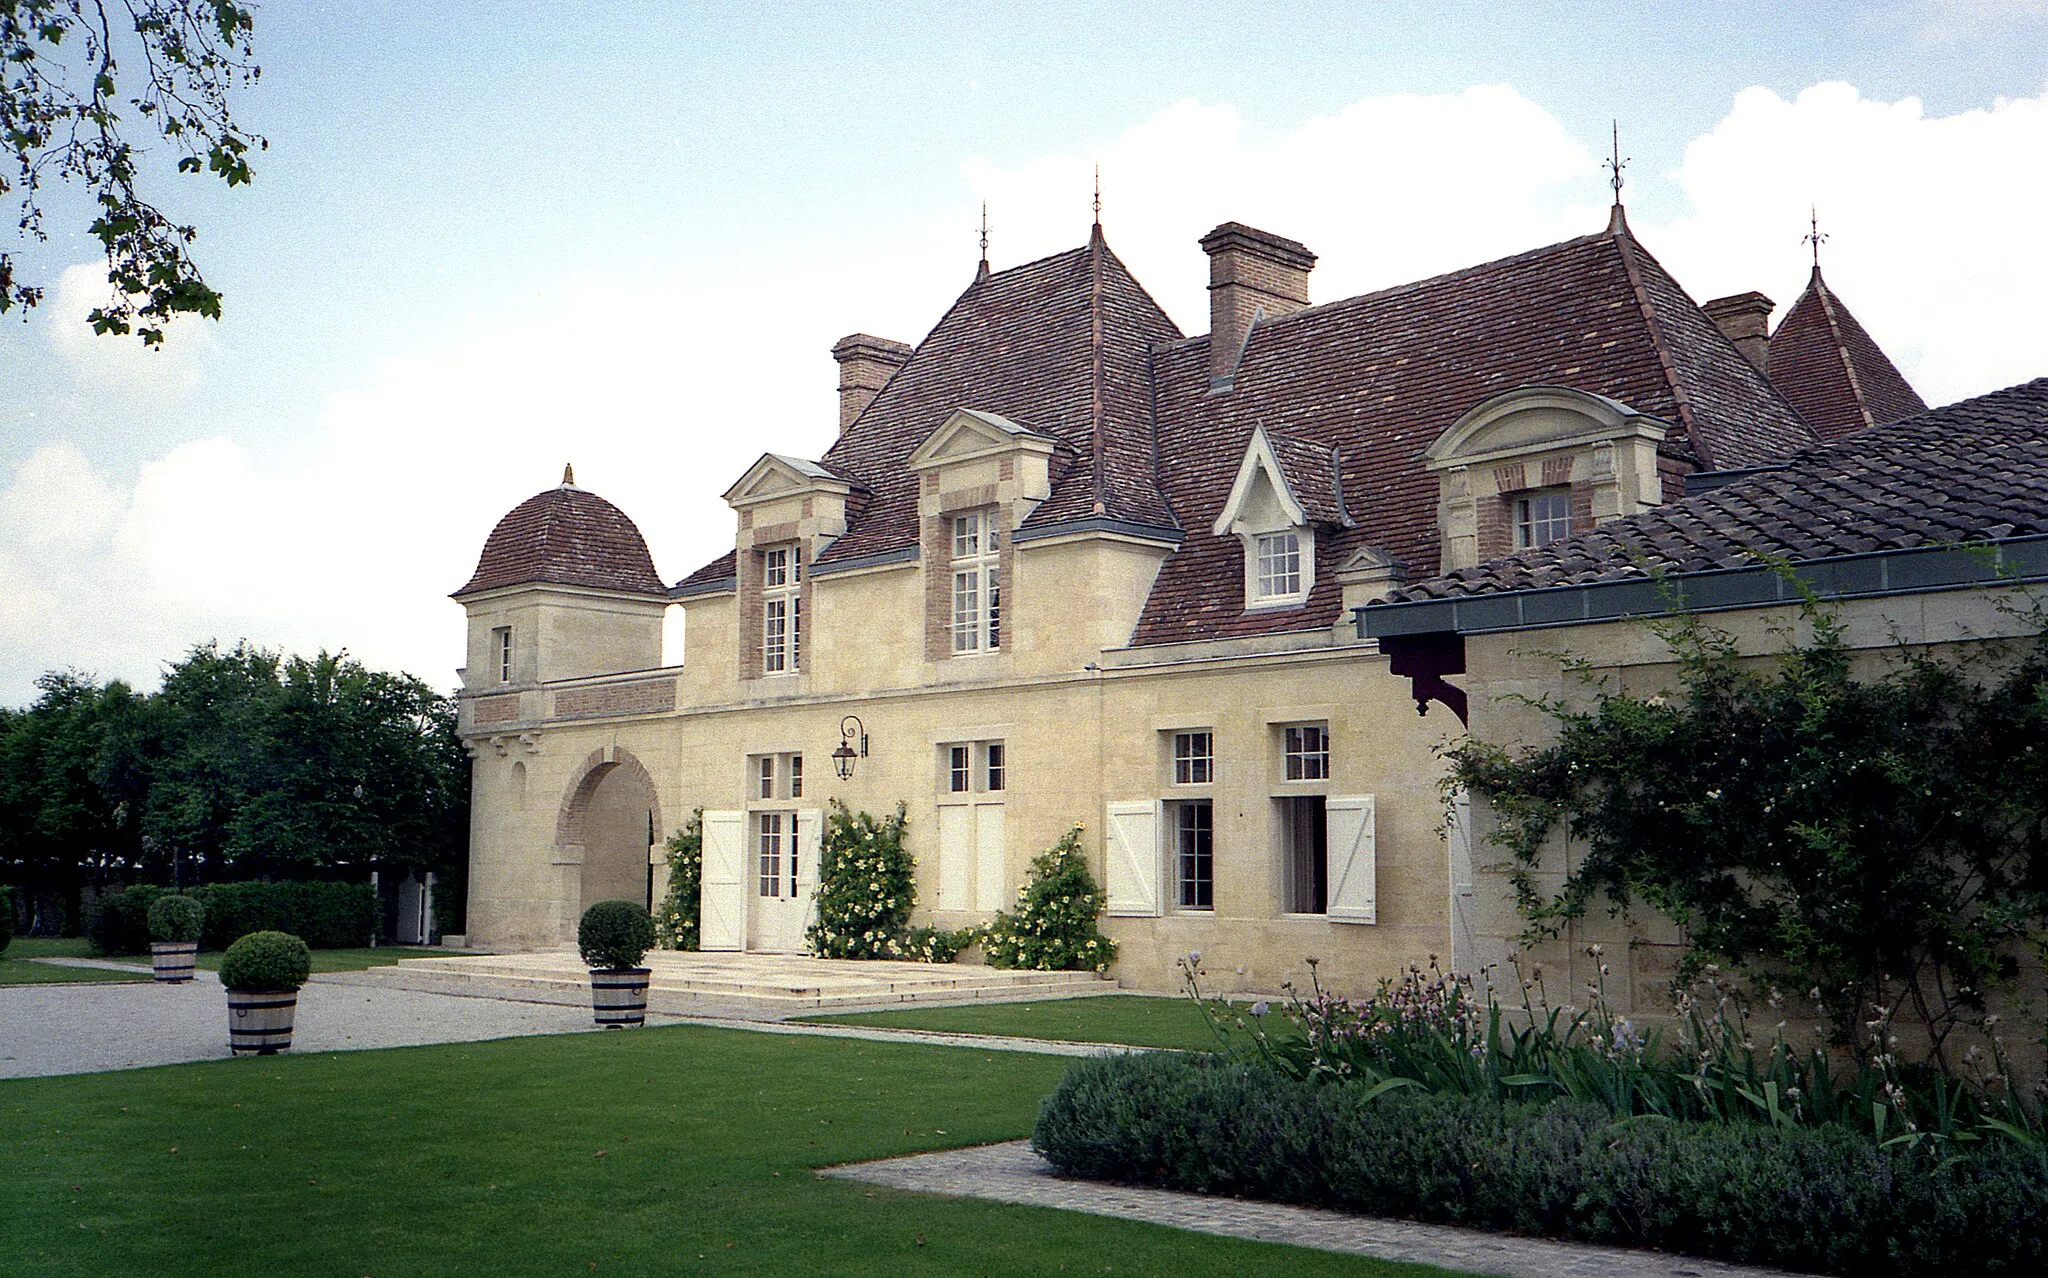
{"points": [[488, 240]]}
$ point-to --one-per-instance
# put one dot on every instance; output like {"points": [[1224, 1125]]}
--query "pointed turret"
{"points": [[1832, 371]]}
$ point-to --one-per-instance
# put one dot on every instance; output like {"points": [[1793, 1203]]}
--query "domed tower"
{"points": [[565, 588]]}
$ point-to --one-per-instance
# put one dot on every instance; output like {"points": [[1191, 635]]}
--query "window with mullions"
{"points": [[996, 765], [782, 609], [1543, 517], [778, 776], [775, 834], [1279, 566], [977, 584], [1308, 753], [959, 769], [503, 636], [1194, 855], [1194, 758]]}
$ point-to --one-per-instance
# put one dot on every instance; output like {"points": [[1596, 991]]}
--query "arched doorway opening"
{"points": [[606, 832]]}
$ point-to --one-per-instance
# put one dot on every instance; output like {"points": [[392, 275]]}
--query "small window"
{"points": [[767, 775], [501, 639], [995, 765], [796, 776], [1194, 848], [1194, 758], [960, 769], [1279, 566], [1543, 517], [1308, 753]]}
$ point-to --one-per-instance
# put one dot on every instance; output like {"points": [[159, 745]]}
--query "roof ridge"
{"points": [[1819, 285], [1099, 478], [1625, 244]]}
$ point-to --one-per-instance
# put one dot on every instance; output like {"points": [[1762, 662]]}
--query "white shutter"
{"points": [[1458, 844], [1354, 863], [810, 844], [988, 857], [956, 857], [1131, 857], [722, 898]]}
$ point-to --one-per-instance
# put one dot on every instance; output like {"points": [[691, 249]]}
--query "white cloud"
{"points": [[1933, 224], [663, 386], [122, 365]]}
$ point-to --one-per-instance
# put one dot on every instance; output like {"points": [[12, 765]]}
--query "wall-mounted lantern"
{"points": [[853, 744]]}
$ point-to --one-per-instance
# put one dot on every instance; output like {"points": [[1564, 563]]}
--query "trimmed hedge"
{"points": [[176, 918], [266, 963], [614, 936], [330, 916], [1822, 1199]]}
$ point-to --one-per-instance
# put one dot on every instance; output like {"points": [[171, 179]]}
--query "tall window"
{"points": [[996, 761], [959, 769], [977, 588], [1543, 517], [1194, 848], [1306, 848], [501, 639], [1194, 758], [1279, 566], [775, 834], [782, 609], [1308, 753]]}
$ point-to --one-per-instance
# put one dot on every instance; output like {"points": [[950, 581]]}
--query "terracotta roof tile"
{"points": [[1976, 469], [567, 537], [1831, 370]]}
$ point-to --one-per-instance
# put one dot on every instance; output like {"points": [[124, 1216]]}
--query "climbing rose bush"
{"points": [[866, 887], [676, 920], [1053, 927]]}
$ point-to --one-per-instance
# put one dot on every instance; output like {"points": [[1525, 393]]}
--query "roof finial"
{"points": [[981, 272], [1098, 195], [1814, 236], [568, 475], [1616, 163]]}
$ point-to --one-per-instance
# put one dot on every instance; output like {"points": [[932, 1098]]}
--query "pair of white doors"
{"points": [[760, 878]]}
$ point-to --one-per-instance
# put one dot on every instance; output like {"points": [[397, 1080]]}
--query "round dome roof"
{"points": [[566, 537]]}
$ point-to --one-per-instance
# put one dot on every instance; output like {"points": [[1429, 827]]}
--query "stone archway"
{"points": [[604, 828]]}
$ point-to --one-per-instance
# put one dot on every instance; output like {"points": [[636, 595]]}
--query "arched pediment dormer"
{"points": [[1535, 463]]}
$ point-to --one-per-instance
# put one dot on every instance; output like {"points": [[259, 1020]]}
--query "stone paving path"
{"points": [[1011, 1173]]}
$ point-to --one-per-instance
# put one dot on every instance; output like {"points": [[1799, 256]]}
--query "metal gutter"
{"points": [[1906, 571], [1100, 523], [880, 558]]}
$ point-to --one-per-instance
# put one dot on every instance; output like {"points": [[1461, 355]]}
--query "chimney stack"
{"points": [[1746, 319], [1251, 274], [866, 364]]}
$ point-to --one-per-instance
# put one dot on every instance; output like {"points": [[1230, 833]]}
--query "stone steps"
{"points": [[773, 983]]}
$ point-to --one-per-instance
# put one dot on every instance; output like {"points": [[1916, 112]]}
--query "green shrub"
{"points": [[266, 963], [117, 921], [1053, 929], [677, 921], [937, 945], [1825, 1199], [175, 918], [615, 935], [330, 916], [6, 917], [865, 887]]}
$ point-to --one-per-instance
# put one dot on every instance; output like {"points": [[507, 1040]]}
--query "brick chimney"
{"points": [[1746, 319], [1251, 273], [865, 364]]}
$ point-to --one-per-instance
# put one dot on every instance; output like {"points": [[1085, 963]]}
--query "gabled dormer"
{"points": [[1286, 489], [789, 509], [1535, 464], [978, 450]]}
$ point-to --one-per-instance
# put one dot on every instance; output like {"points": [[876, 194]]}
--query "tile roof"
{"points": [[566, 536], [1312, 474], [1974, 470], [1378, 377], [1824, 362]]}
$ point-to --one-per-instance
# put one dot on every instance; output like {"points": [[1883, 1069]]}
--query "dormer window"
{"points": [[977, 584], [1278, 573], [1542, 517], [782, 609]]}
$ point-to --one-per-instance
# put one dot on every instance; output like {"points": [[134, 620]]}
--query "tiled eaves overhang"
{"points": [[1908, 571]]}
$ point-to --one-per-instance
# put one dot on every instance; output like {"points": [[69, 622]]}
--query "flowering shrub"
{"points": [[865, 887], [1053, 928], [676, 919], [934, 945]]}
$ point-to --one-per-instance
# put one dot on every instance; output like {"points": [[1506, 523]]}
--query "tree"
{"points": [[63, 90]]}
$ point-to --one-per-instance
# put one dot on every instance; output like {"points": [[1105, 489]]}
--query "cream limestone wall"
{"points": [[1077, 739], [1505, 671], [560, 632]]}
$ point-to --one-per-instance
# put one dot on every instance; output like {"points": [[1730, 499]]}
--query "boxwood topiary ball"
{"points": [[614, 935], [176, 918], [266, 963]]}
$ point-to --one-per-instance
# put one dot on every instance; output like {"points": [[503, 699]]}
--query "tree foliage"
{"points": [[77, 78], [246, 764], [1882, 842]]}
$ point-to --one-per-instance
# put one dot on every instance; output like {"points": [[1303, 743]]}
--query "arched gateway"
{"points": [[610, 825]]}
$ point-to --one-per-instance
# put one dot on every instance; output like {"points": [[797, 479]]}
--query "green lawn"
{"points": [[15, 969], [1131, 1019], [661, 1151]]}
